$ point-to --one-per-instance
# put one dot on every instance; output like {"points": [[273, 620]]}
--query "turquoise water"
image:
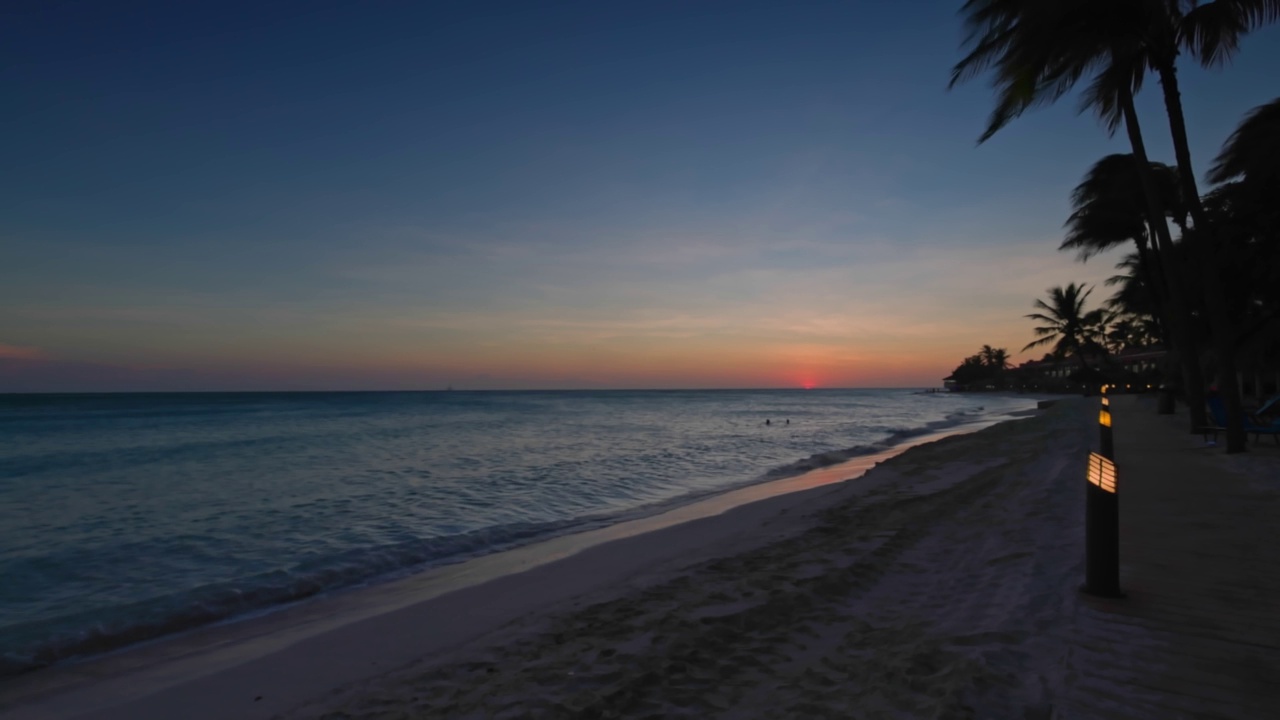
{"points": [[127, 517]]}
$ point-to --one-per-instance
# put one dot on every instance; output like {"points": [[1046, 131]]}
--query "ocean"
{"points": [[127, 517]]}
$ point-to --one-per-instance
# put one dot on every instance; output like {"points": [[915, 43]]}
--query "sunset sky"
{"points": [[410, 195]]}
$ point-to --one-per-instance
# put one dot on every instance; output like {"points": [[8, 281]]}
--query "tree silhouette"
{"points": [[1109, 209], [1067, 325], [994, 358], [1246, 215], [1253, 150], [985, 368], [1038, 50], [1134, 321]]}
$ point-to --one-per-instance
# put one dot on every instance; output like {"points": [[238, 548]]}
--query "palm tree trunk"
{"points": [[1179, 325], [1152, 278], [1201, 245]]}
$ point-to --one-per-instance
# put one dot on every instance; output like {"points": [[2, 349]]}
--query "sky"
{"points": [[485, 195]]}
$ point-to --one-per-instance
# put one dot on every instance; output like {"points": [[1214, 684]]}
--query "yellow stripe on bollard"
{"points": [[1104, 417], [1102, 472]]}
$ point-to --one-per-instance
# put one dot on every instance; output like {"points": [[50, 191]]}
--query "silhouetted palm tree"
{"points": [[1038, 51], [1211, 33], [1109, 209], [1134, 317], [1067, 325], [1246, 214], [997, 358], [1249, 167]]}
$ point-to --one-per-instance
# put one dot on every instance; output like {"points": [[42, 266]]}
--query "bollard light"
{"points": [[1101, 473], [1101, 528]]}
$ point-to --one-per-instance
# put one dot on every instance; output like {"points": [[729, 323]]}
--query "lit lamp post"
{"points": [[1101, 528]]}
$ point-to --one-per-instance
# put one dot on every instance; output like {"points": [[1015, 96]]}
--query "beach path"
{"points": [[1198, 634]]}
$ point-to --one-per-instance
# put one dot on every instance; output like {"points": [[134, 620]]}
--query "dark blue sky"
{"points": [[527, 194]]}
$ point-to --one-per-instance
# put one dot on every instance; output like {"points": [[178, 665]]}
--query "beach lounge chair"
{"points": [[1269, 408], [1252, 426]]}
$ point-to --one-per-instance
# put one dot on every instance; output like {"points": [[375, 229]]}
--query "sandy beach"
{"points": [[943, 583], [936, 587], [934, 583], [586, 361]]}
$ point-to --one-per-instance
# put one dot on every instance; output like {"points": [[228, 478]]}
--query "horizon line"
{"points": [[455, 390]]}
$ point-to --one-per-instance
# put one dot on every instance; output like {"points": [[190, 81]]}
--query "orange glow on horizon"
{"points": [[623, 365], [806, 379]]}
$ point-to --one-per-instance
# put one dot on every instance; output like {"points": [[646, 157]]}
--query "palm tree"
{"points": [[1109, 208], [997, 358], [1067, 325], [1135, 321], [1211, 33], [1249, 163], [1248, 168], [1247, 218], [1038, 51]]}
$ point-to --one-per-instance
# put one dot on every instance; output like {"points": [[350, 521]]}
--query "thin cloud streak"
{"points": [[17, 352]]}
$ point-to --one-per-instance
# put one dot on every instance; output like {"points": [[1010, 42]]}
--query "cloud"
{"points": [[19, 352]]}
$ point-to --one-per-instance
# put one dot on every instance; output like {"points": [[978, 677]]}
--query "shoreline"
{"points": [[213, 656], [159, 628]]}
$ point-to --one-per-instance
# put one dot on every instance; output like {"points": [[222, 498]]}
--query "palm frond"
{"points": [[1254, 146], [1102, 95], [1041, 304], [1049, 330], [1036, 343], [1212, 31]]}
